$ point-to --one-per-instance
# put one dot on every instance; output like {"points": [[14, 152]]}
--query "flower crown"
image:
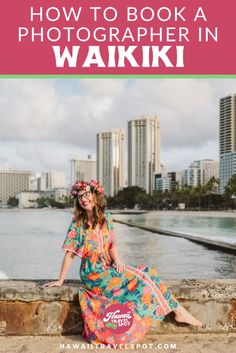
{"points": [[92, 185]]}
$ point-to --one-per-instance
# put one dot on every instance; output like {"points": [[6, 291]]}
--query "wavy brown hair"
{"points": [[99, 208]]}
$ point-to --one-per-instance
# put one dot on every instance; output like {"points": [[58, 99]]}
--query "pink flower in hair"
{"points": [[92, 183], [87, 186]]}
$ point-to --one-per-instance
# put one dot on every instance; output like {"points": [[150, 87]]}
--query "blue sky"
{"points": [[46, 122]]}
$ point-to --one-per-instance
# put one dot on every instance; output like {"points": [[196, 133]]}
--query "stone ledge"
{"points": [[26, 308]]}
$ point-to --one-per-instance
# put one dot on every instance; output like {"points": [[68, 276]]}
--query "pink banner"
{"points": [[117, 37]]}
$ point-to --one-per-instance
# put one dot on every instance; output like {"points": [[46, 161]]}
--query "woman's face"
{"points": [[86, 200]]}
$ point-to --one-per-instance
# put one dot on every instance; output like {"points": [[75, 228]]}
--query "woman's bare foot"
{"points": [[182, 315]]}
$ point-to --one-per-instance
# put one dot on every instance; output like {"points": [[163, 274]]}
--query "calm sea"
{"points": [[31, 243], [219, 226]]}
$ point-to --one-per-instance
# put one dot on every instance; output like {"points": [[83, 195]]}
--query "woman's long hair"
{"points": [[100, 205]]}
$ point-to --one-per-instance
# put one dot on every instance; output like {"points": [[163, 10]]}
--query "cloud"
{"points": [[179, 158], [39, 156], [30, 110], [183, 106], [46, 122]]}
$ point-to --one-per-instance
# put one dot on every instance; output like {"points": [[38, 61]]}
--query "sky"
{"points": [[46, 122]]}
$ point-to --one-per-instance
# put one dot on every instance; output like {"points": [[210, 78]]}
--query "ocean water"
{"points": [[31, 240], [215, 226]]}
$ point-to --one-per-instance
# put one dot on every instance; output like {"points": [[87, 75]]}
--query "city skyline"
{"points": [[53, 121]]}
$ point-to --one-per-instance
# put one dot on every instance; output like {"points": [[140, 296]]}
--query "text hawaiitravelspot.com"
{"points": [[132, 346]]}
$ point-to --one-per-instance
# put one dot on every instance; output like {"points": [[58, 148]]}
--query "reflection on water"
{"points": [[218, 228], [31, 243], [175, 257]]}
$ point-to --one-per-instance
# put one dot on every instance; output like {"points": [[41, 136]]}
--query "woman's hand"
{"points": [[119, 266], [53, 284]]}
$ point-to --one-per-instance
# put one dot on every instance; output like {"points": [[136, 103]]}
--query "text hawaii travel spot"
{"points": [[143, 346]]}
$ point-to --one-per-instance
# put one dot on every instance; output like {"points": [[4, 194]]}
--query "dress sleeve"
{"points": [[72, 241], [111, 232]]}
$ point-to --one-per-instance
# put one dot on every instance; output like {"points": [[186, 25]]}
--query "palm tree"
{"points": [[199, 192], [230, 190], [186, 195], [212, 188]]}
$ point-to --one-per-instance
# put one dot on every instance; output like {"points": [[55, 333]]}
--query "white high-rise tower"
{"points": [[227, 139], [143, 151], [110, 160]]}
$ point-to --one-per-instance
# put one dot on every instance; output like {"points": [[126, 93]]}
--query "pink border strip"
{"points": [[78, 253], [154, 288]]}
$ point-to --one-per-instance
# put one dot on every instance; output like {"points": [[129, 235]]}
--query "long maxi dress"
{"points": [[139, 288]]}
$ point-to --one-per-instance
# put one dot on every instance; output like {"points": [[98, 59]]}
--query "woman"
{"points": [[119, 302]]}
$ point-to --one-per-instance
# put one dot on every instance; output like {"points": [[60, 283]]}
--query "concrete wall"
{"points": [[26, 308]]}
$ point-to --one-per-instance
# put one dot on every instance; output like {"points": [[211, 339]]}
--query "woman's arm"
{"points": [[112, 245], [68, 258], [114, 254], [115, 257]]}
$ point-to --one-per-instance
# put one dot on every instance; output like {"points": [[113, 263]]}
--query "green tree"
{"points": [[145, 201], [125, 198], [13, 202], [211, 192], [198, 195], [42, 202], [230, 192], [158, 196], [230, 189], [186, 195]]}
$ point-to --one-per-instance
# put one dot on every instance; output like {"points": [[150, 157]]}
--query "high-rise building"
{"points": [[167, 181], [227, 139], [162, 182], [110, 160], [192, 176], [143, 152], [33, 182], [208, 169], [42, 181], [11, 183], [52, 180], [83, 169]]}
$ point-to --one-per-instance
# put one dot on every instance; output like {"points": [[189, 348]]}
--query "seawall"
{"points": [[212, 244], [26, 308]]}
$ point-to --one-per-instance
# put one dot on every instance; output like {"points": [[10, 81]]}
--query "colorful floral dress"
{"points": [[140, 287]]}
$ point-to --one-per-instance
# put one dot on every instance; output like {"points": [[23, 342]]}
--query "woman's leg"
{"points": [[182, 315]]}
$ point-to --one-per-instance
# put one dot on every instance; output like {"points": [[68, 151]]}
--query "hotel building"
{"points": [[143, 152], [110, 160], [227, 139], [52, 180], [208, 169], [11, 183], [83, 169]]}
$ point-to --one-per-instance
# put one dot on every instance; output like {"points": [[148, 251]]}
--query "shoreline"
{"points": [[208, 213]]}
